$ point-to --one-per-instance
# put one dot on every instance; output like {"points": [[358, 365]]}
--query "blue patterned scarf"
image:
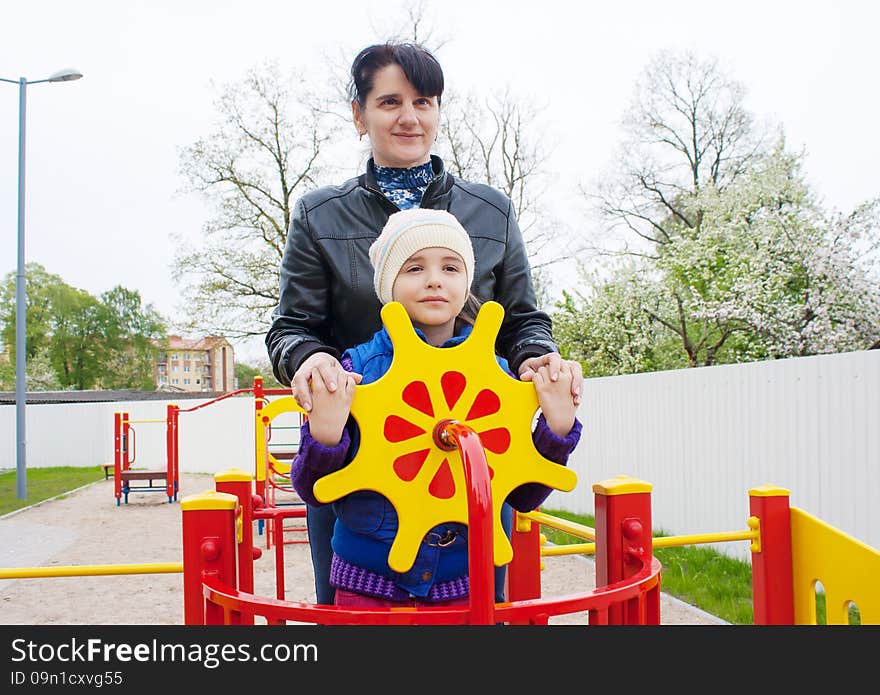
{"points": [[404, 187]]}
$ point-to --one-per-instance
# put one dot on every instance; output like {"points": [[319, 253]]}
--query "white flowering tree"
{"points": [[728, 256], [795, 280]]}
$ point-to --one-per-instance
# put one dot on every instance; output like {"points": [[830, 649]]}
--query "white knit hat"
{"points": [[409, 231]]}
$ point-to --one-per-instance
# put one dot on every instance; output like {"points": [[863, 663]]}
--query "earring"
{"points": [[360, 136]]}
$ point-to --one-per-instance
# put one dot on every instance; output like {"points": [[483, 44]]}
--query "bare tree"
{"points": [[417, 26], [266, 151], [494, 140], [686, 128]]}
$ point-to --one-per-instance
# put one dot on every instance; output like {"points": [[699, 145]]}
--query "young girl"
{"points": [[424, 260]]}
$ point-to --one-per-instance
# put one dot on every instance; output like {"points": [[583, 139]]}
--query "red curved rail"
{"points": [[534, 611], [480, 545], [630, 598], [215, 400]]}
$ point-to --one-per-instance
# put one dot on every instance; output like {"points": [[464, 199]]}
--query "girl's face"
{"points": [[432, 286], [401, 123]]}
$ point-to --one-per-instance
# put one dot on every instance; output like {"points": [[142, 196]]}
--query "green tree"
{"points": [[40, 286], [245, 373], [132, 333], [606, 328], [77, 348], [77, 341]]}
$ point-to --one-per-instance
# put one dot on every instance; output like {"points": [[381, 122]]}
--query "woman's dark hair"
{"points": [[420, 67]]}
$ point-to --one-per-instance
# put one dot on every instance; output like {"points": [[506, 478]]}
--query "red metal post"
{"points": [[171, 464], [117, 456], [238, 482], [772, 574], [624, 544], [278, 529], [524, 571], [176, 450], [259, 402], [209, 548], [480, 541], [126, 450]]}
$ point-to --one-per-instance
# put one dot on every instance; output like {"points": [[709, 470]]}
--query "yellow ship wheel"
{"points": [[399, 414]]}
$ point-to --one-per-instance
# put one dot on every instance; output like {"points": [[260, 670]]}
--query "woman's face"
{"points": [[401, 123]]}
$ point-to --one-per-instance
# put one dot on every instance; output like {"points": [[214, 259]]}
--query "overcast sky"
{"points": [[102, 152]]}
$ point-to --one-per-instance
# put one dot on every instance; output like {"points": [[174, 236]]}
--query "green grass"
{"points": [[698, 575], [43, 483]]}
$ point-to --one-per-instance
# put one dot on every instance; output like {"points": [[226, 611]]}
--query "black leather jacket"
{"points": [[327, 301]]}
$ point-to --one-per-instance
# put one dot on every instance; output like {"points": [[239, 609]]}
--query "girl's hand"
{"points": [[553, 361], [332, 374], [330, 409], [555, 398]]}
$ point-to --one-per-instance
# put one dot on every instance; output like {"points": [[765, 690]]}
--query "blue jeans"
{"points": [[320, 520]]}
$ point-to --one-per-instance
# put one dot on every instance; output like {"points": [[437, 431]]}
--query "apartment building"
{"points": [[196, 364]]}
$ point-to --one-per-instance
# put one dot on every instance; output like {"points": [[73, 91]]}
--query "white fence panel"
{"points": [[704, 437], [210, 439]]}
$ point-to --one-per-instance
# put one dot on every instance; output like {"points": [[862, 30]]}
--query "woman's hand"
{"points": [[555, 398], [331, 408], [331, 372], [554, 363]]}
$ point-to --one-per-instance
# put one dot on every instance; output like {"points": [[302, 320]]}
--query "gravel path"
{"points": [[87, 528]]}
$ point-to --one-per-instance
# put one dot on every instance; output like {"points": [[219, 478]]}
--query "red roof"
{"points": [[175, 342]]}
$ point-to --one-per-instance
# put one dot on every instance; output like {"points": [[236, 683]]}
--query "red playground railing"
{"points": [[218, 555]]}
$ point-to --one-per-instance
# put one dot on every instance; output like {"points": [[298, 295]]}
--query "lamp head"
{"points": [[65, 75]]}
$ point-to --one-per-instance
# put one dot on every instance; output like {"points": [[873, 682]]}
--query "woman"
{"points": [[327, 301]]}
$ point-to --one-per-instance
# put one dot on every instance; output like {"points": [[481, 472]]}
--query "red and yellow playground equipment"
{"points": [[792, 553], [273, 467], [795, 557], [125, 455], [276, 411], [450, 446]]}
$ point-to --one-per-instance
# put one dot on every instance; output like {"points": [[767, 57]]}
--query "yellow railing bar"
{"points": [[658, 542], [570, 527], [90, 570], [569, 549], [697, 538]]}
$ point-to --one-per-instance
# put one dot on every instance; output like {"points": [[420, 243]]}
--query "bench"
{"points": [[134, 474], [143, 475]]}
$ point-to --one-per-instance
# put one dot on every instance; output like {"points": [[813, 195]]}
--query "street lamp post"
{"points": [[20, 287]]}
